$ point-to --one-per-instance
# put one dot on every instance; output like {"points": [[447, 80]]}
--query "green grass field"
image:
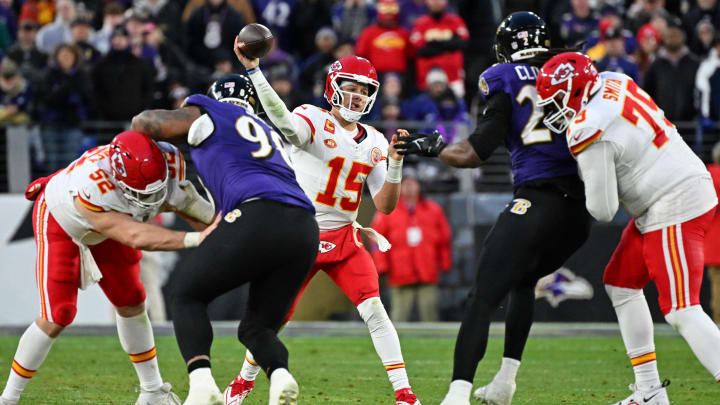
{"points": [[345, 370]]}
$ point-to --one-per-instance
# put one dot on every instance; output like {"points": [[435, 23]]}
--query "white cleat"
{"points": [[496, 393], [654, 396], [454, 400], [161, 396], [4, 401], [205, 395], [284, 389]]}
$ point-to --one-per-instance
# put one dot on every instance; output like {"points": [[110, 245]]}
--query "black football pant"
{"points": [[270, 245], [521, 248]]}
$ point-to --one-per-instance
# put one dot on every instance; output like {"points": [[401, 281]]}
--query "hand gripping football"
{"points": [[255, 40]]}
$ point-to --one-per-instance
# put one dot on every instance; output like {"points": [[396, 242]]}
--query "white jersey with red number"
{"points": [[660, 180], [331, 166], [89, 179]]}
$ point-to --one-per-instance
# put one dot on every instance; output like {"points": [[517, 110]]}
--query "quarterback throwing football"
{"points": [[334, 156]]}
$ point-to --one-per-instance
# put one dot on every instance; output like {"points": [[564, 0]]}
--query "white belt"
{"points": [[374, 236]]}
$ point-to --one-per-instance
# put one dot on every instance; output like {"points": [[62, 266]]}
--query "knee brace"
{"points": [[620, 296], [372, 311]]}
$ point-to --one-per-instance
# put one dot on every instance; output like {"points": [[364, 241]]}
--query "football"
{"points": [[255, 40]]}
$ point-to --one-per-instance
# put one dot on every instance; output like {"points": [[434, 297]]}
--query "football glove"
{"points": [[421, 144]]}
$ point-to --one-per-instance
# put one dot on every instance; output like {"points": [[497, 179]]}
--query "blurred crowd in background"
{"points": [[65, 62]]}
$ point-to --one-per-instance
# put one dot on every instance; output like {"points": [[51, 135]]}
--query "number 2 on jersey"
{"points": [[327, 197], [253, 132], [531, 133]]}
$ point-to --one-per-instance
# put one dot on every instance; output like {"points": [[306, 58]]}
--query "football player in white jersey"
{"points": [[630, 154], [334, 156], [89, 227]]}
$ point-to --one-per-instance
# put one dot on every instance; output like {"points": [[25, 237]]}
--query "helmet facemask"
{"points": [[560, 110], [153, 196], [340, 98]]}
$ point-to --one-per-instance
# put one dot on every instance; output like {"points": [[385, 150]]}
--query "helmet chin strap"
{"points": [[349, 115]]}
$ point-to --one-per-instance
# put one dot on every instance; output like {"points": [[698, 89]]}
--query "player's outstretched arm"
{"points": [[387, 198], [166, 125], [124, 229], [491, 129], [597, 167], [296, 131]]}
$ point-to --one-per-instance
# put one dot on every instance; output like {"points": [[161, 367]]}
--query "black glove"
{"points": [[421, 144]]}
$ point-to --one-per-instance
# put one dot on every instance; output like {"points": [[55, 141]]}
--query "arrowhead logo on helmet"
{"points": [[562, 73], [118, 165]]}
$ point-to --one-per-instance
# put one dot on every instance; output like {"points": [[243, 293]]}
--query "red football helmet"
{"points": [[140, 169], [355, 69], [565, 83]]}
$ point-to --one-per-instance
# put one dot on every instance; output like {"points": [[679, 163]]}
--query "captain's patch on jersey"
{"points": [[520, 206], [329, 127], [376, 156], [231, 216], [484, 86], [326, 246]]}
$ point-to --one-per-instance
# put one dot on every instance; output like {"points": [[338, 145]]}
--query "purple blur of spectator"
{"points": [[616, 59], [410, 11], [16, 95], [350, 17], [62, 106], [165, 14], [578, 23], [278, 16], [211, 26]]}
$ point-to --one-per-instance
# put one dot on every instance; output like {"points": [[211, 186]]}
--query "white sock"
{"points": [[636, 327], [32, 350], [136, 338], [701, 334], [250, 368], [385, 340], [460, 389], [201, 377], [508, 370], [280, 373]]}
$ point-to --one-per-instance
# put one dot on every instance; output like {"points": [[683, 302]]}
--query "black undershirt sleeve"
{"points": [[492, 126]]}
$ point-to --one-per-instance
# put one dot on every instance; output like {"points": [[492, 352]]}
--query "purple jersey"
{"points": [[243, 158], [535, 151]]}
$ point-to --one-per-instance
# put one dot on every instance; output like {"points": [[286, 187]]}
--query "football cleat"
{"points": [[161, 396], [454, 400], [496, 393], [204, 395], [4, 401], [654, 396], [284, 389], [405, 396], [238, 390]]}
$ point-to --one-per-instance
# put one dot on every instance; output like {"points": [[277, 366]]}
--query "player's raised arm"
{"points": [[293, 127], [597, 167], [166, 125], [124, 229], [492, 126]]}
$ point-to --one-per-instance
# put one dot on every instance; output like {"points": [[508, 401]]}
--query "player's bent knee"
{"points": [[620, 296], [372, 311], [64, 314], [130, 310], [684, 317]]}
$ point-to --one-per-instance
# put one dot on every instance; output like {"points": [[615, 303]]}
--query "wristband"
{"points": [[394, 173], [192, 239], [253, 70]]}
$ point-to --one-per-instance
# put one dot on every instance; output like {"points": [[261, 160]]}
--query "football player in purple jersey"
{"points": [[268, 236], [541, 227]]}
